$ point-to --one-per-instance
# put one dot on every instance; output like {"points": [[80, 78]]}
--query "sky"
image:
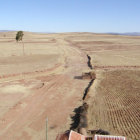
{"points": [[70, 15]]}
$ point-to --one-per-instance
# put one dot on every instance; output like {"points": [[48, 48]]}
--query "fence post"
{"points": [[46, 128]]}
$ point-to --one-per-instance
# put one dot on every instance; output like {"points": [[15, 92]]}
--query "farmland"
{"points": [[116, 106], [44, 83], [114, 95]]}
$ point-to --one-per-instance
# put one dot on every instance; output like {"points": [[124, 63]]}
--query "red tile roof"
{"points": [[108, 137], [76, 136]]}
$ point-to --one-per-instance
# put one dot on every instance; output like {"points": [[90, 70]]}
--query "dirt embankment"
{"points": [[79, 120], [110, 109], [87, 89], [89, 62]]}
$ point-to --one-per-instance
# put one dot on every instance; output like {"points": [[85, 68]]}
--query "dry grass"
{"points": [[41, 52], [41, 83], [108, 49], [116, 106]]}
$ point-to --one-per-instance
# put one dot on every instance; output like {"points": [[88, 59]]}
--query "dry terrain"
{"points": [[109, 50], [114, 96], [42, 84], [116, 106], [39, 85]]}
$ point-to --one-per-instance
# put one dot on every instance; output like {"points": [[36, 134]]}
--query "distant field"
{"points": [[116, 58], [109, 50], [41, 53], [116, 106], [21, 64]]}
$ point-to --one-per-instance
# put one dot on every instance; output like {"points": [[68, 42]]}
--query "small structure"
{"points": [[89, 75], [108, 137], [76, 136]]}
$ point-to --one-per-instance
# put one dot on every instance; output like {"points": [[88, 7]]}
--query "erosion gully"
{"points": [[79, 120]]}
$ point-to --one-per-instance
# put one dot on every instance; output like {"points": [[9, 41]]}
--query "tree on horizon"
{"points": [[19, 37]]}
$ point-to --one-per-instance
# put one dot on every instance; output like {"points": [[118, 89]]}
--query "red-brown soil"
{"points": [[29, 95]]}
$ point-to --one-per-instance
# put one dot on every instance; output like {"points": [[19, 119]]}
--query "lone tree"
{"points": [[19, 37]]}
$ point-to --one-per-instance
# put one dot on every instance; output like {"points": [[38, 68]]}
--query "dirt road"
{"points": [[27, 99]]}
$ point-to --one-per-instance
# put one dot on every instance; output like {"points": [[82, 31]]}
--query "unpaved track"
{"points": [[51, 93]]}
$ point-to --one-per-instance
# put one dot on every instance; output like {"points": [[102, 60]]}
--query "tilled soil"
{"points": [[115, 107]]}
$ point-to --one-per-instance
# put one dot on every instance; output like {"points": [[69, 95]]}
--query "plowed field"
{"points": [[116, 107]]}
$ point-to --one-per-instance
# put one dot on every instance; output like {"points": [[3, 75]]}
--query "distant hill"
{"points": [[112, 33], [6, 30], [129, 33]]}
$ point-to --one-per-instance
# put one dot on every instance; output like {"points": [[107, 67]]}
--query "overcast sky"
{"points": [[70, 15]]}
